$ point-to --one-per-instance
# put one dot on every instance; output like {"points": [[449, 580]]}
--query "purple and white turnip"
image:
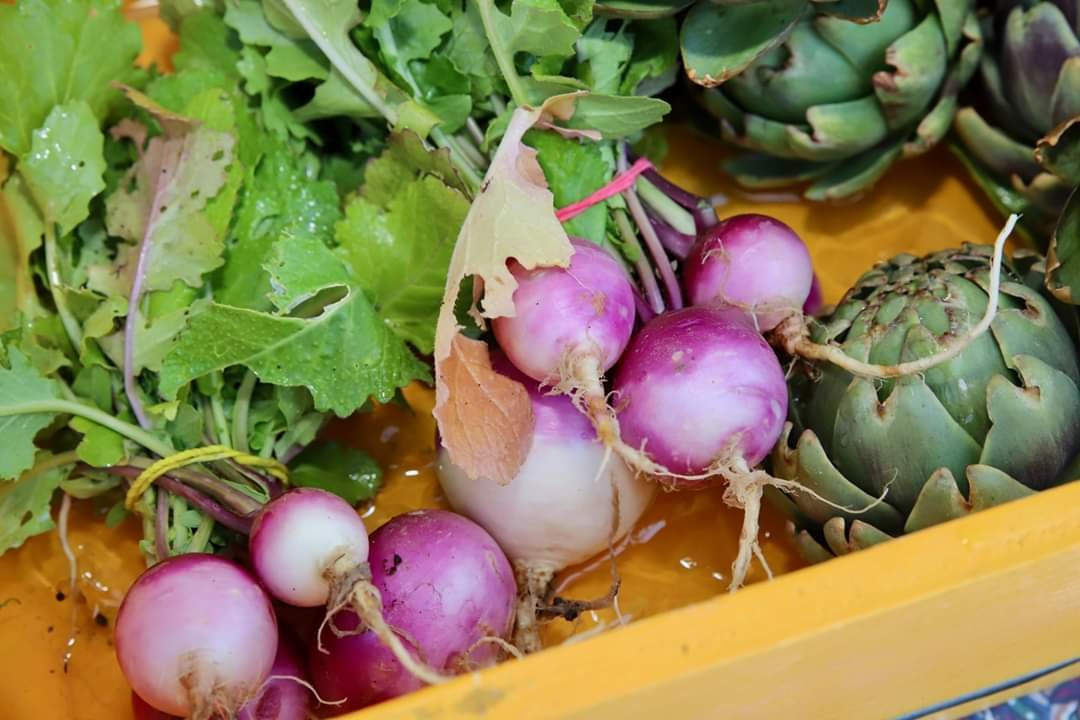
{"points": [[448, 590], [570, 500], [196, 636]]}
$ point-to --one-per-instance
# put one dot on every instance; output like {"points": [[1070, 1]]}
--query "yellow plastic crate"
{"points": [[911, 624]]}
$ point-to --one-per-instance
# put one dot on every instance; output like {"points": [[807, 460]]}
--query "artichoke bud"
{"points": [[998, 421]]}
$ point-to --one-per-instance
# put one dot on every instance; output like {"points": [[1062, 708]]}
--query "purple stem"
{"points": [[643, 310], [208, 505], [268, 483], [211, 507], [676, 243], [161, 524], [130, 323], [660, 258]]}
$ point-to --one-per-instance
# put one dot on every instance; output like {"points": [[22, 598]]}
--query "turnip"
{"points": [[310, 548], [753, 262], [196, 636], [284, 695], [448, 589], [570, 324], [569, 501], [701, 394]]}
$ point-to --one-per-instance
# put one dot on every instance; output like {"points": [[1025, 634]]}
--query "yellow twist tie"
{"points": [[209, 453]]}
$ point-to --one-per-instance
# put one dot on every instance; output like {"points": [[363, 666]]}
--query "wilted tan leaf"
{"points": [[485, 419]]}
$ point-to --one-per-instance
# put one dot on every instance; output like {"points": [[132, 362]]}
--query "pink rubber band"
{"points": [[617, 185]]}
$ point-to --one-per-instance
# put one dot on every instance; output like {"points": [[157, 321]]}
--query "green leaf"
{"points": [[417, 29], [20, 386], [335, 97], [161, 204], [25, 505], [655, 60], [281, 198], [300, 267], [343, 356], [53, 53], [617, 116], [100, 446], [537, 27], [400, 262], [574, 169], [66, 163], [347, 472], [327, 23], [382, 11], [603, 56], [21, 230], [247, 18], [296, 61], [207, 44], [468, 47]]}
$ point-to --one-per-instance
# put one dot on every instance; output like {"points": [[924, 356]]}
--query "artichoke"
{"points": [[1021, 145], [997, 422], [831, 92]]}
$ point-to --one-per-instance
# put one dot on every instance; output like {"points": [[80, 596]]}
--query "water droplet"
{"points": [[688, 562], [717, 575]]}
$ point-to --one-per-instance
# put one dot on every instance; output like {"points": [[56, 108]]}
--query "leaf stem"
{"points": [[221, 425], [240, 412], [503, 58], [301, 11], [131, 432], [644, 270], [50, 463], [459, 156], [52, 272], [667, 209]]}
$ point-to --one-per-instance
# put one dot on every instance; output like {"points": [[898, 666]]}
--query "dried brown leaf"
{"points": [[485, 419]]}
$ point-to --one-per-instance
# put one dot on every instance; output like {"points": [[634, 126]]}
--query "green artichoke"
{"points": [[997, 422], [831, 92], [1022, 142]]}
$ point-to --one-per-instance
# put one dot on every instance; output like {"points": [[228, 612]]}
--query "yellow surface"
{"points": [[910, 623]]}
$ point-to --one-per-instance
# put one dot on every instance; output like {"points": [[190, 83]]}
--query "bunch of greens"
{"points": [[183, 268], [228, 254]]}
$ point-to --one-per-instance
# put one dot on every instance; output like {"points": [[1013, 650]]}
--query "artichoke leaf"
{"points": [[1063, 259], [1058, 151], [1036, 44], [941, 499], [1036, 428], [720, 41], [814, 471], [958, 384], [862, 535], [1065, 104], [809, 548], [760, 171], [935, 125], [899, 443], [855, 175], [956, 19], [993, 148], [1032, 329], [839, 130], [857, 11], [919, 60], [843, 541], [641, 9]]}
